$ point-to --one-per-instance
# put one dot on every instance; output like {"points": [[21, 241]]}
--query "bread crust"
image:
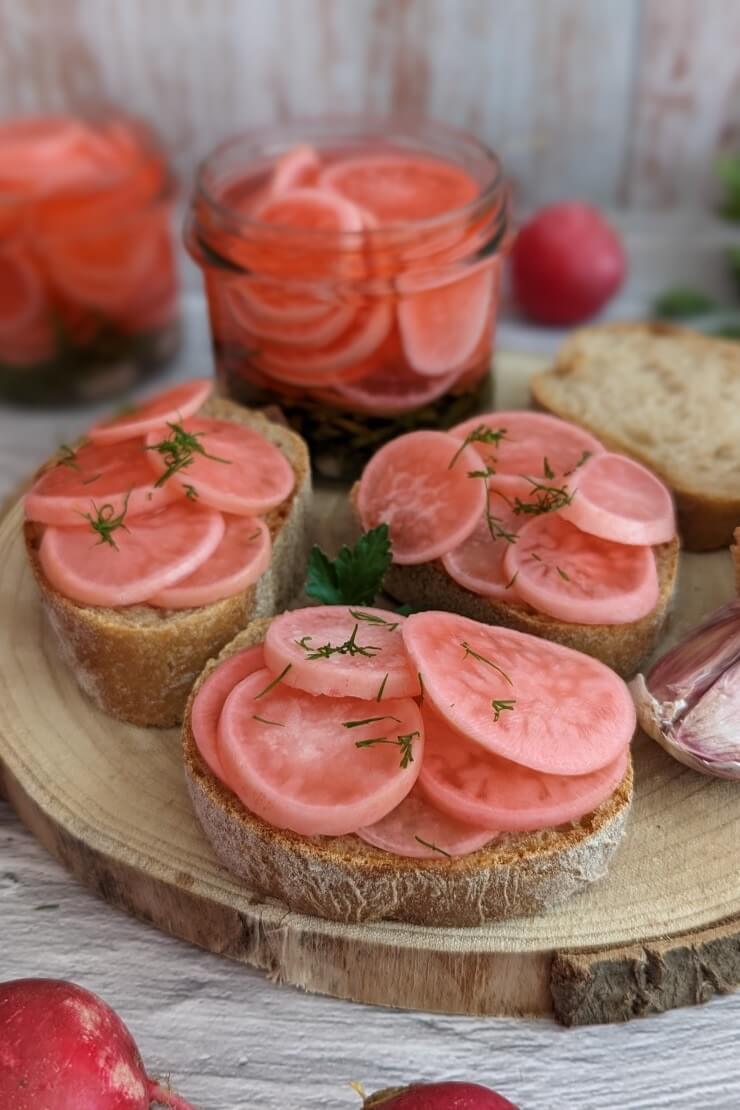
{"points": [[706, 520], [344, 879], [139, 663]]}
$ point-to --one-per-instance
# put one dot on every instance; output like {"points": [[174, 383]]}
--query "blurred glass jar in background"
{"points": [[352, 272], [88, 279]]}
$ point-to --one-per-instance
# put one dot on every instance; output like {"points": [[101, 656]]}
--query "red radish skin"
{"points": [[63, 1048], [438, 1096], [567, 262]]}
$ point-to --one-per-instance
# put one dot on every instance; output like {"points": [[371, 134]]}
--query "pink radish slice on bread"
{"points": [[235, 468], [116, 474], [240, 558], [576, 577], [212, 694], [419, 485], [170, 406], [145, 555], [559, 711], [363, 652], [617, 499], [461, 779], [417, 829], [292, 758]]}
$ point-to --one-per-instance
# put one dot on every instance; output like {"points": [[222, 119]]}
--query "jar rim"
{"points": [[356, 127]]}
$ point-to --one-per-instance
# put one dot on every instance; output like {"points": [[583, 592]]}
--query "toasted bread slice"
{"points": [[670, 398], [623, 647], [344, 879], [138, 663]]}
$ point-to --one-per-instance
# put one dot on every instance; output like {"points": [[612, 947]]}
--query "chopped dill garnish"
{"points": [[379, 695], [349, 647], [547, 470], [370, 721], [179, 450], [89, 481], [583, 459], [265, 721], [68, 457], [512, 580], [480, 434], [537, 558], [499, 705], [190, 492], [421, 687], [482, 659], [434, 847], [105, 522], [547, 499], [405, 743], [373, 618], [274, 682], [562, 574]]}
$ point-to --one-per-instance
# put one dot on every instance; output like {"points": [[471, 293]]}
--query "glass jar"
{"points": [[352, 273], [88, 277]]}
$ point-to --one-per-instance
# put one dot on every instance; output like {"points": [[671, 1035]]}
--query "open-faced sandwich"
{"points": [[158, 537], [360, 765], [524, 520]]}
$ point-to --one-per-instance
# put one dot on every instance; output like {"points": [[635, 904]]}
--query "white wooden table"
{"points": [[234, 1041]]}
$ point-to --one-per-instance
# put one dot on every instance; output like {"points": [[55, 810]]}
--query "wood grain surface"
{"points": [[612, 99], [109, 801]]}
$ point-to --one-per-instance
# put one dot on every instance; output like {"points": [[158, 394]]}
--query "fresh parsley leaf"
{"points": [[356, 576], [676, 303]]}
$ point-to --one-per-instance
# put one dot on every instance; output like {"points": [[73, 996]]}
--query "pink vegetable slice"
{"points": [[477, 564], [392, 389], [310, 210], [618, 499], [580, 578], [570, 714], [171, 406], [315, 332], [418, 485], [373, 660], [366, 332], [247, 475], [209, 701], [151, 552], [441, 325], [398, 188], [299, 767], [240, 558], [470, 784], [417, 829], [531, 438], [98, 474], [294, 169]]}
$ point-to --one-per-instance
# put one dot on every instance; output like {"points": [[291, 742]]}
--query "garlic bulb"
{"points": [[690, 700]]}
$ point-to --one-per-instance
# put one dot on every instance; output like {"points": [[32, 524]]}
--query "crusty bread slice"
{"points": [[670, 398], [623, 647], [735, 552], [344, 879], [138, 663]]}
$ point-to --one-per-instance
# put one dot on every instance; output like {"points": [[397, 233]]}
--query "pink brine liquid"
{"points": [[355, 285]]}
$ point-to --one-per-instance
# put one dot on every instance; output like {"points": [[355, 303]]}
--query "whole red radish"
{"points": [[63, 1048], [566, 263], [438, 1096]]}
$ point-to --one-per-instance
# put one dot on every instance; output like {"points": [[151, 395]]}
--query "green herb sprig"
{"points": [[433, 847], [104, 521], [355, 576], [349, 647], [482, 659], [405, 743], [179, 451], [480, 434]]}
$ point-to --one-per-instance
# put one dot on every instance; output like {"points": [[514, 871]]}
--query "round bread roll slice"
{"points": [[345, 879]]}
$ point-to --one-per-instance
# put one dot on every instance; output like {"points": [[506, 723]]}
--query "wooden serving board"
{"points": [[109, 801]]}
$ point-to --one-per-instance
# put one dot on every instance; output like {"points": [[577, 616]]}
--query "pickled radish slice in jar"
{"points": [[362, 300]]}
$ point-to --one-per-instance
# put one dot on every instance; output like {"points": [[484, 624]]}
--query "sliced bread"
{"points": [[138, 663], [345, 879], [735, 552], [669, 397]]}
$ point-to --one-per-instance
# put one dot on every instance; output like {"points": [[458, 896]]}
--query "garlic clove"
{"points": [[710, 732], [690, 700]]}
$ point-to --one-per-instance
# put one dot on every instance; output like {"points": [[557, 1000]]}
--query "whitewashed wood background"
{"points": [[623, 101]]}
